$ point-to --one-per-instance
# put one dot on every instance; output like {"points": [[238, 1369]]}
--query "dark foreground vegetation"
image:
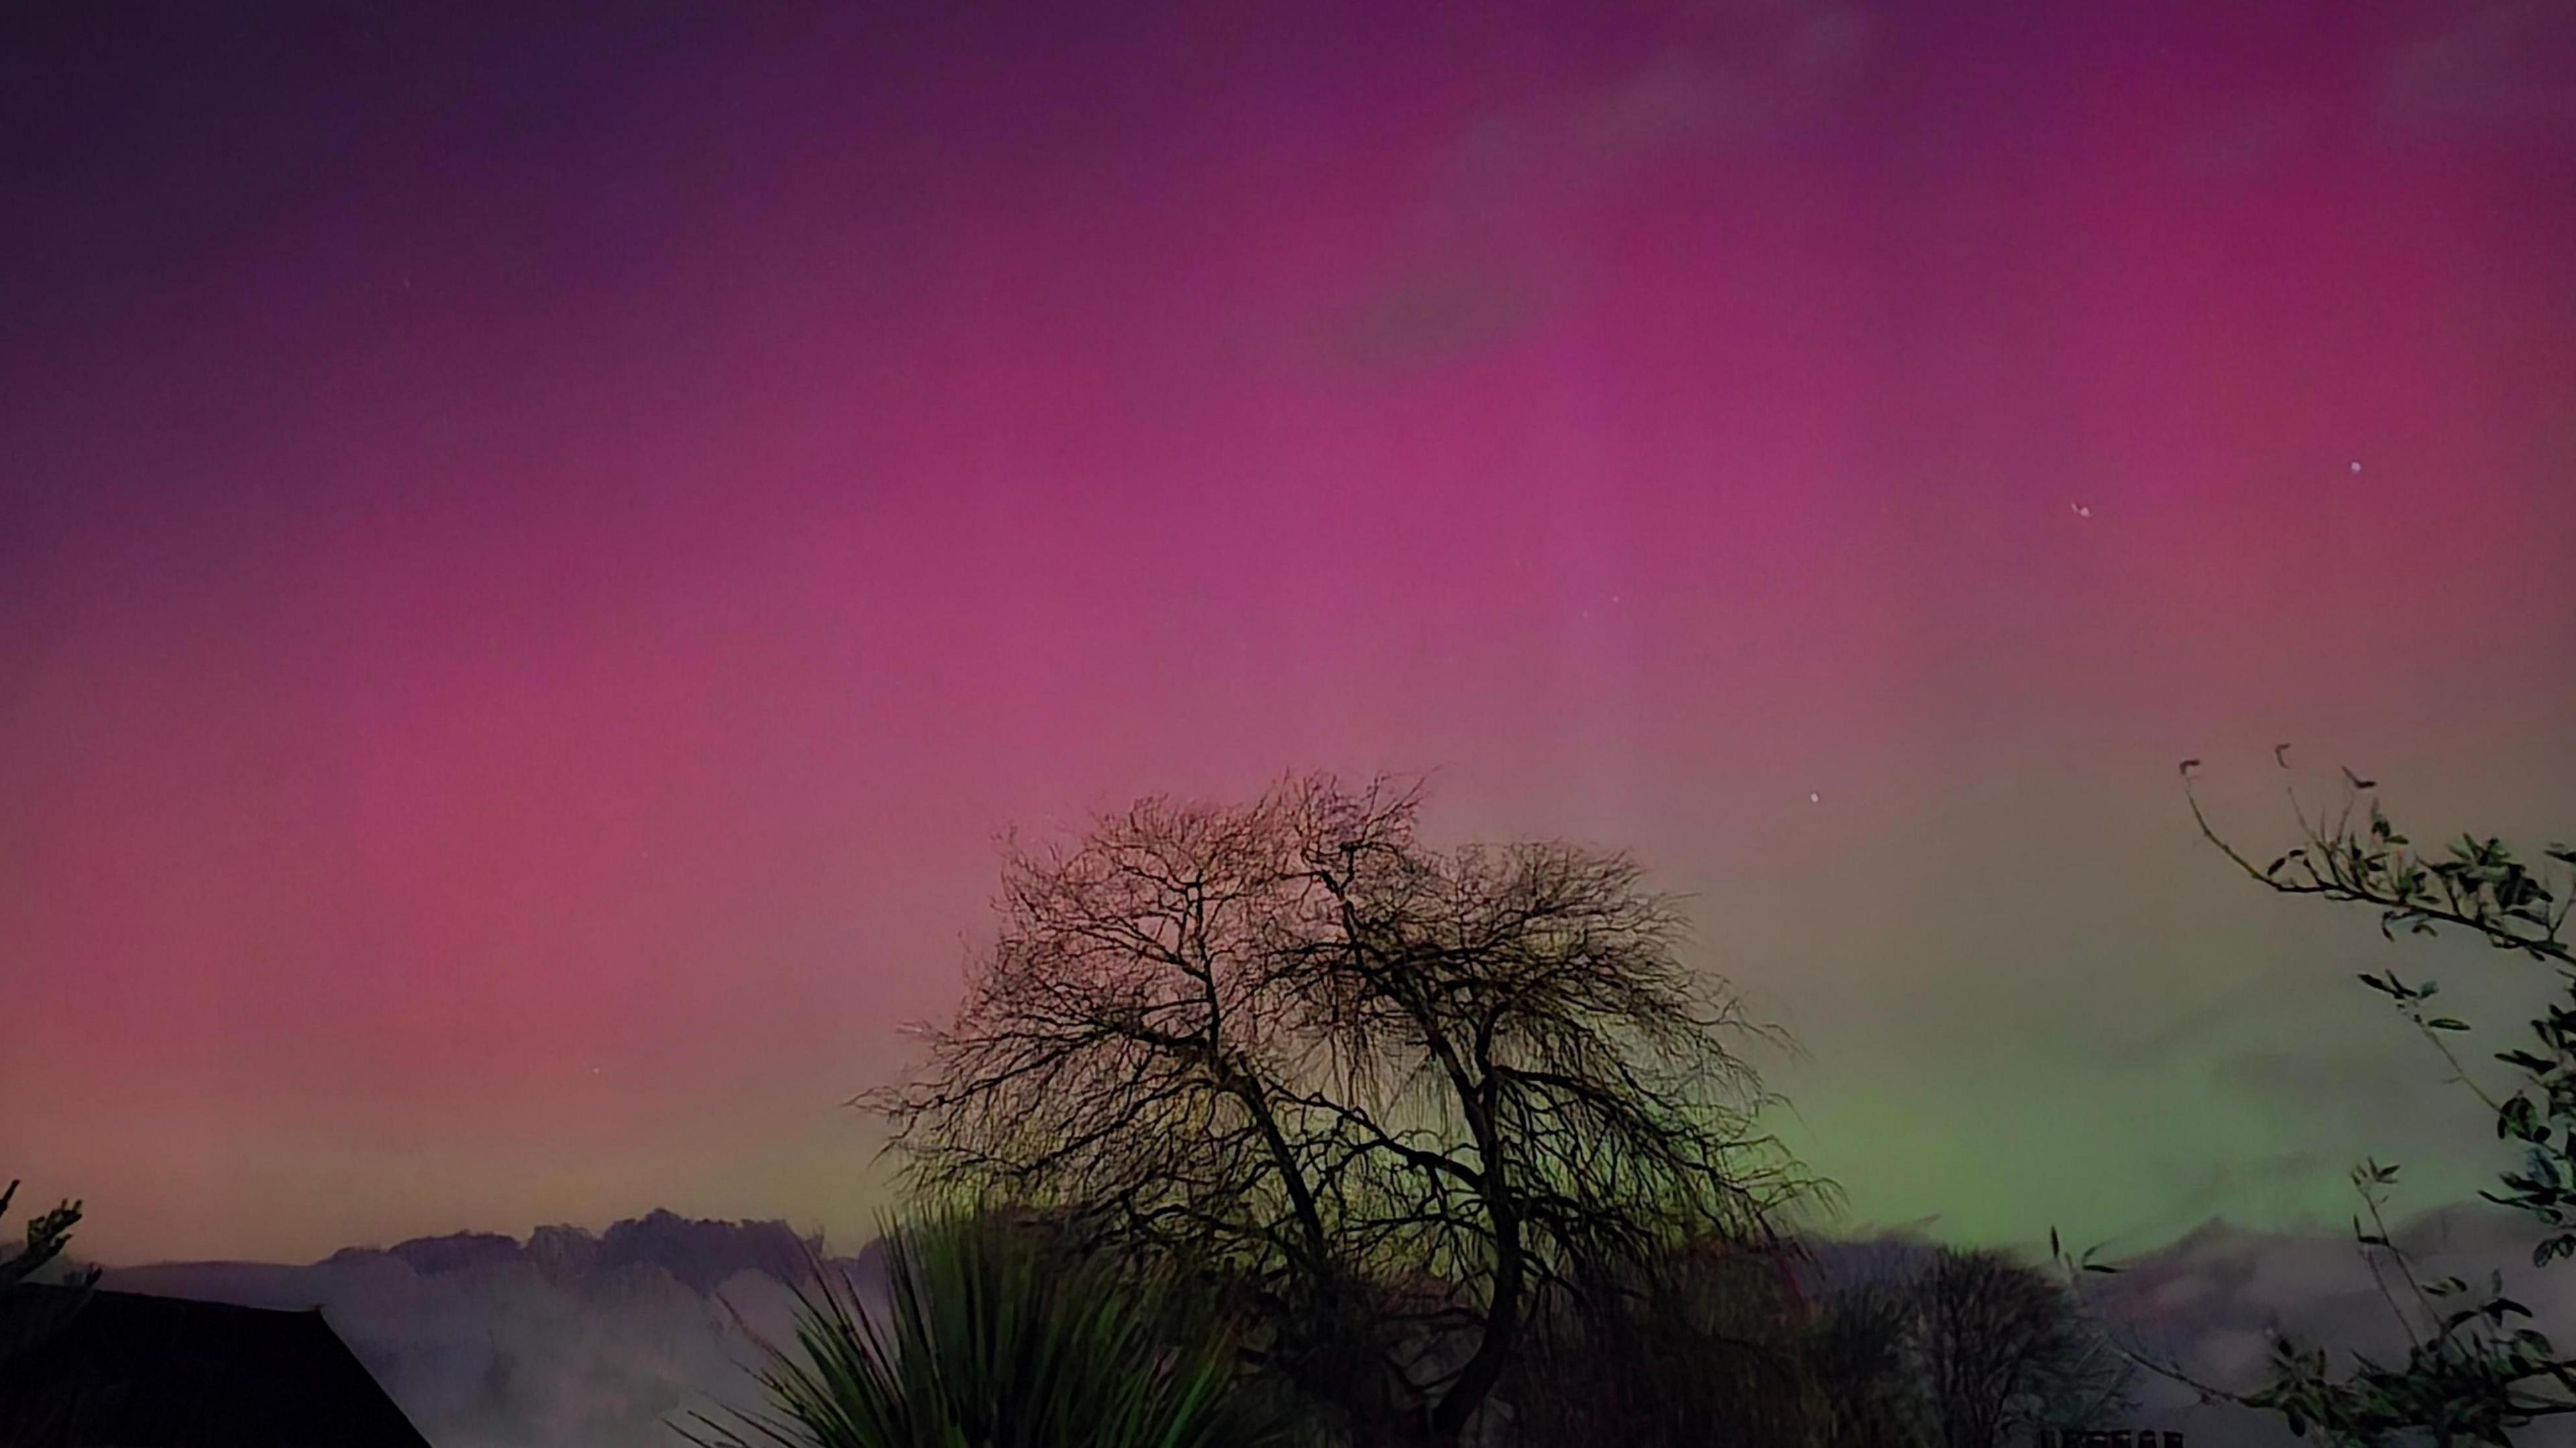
{"points": [[1412, 1147], [1270, 1125], [1001, 1331], [1398, 1146]]}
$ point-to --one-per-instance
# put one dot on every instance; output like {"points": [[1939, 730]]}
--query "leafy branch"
{"points": [[48, 1233], [2474, 1370]]}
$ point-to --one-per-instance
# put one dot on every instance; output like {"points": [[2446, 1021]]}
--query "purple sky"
{"points": [[539, 547]]}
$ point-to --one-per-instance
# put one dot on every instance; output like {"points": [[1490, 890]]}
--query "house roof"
{"points": [[125, 1370]]}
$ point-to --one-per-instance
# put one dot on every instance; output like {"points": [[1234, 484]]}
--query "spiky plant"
{"points": [[994, 1338]]}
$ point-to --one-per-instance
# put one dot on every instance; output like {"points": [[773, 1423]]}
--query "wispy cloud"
{"points": [[2507, 63], [1485, 257], [2213, 1300]]}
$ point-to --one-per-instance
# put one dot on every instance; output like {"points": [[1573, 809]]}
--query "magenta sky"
{"points": [[536, 552]]}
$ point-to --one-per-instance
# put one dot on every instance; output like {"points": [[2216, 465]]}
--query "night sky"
{"points": [[541, 544]]}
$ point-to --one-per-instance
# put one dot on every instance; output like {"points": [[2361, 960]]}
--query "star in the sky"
{"points": [[2356, 467], [2081, 510], [1813, 797]]}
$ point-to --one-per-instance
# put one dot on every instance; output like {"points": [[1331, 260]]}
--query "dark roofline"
{"points": [[134, 1368]]}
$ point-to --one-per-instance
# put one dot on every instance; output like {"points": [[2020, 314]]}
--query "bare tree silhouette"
{"points": [[1398, 1095], [2002, 1352]]}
